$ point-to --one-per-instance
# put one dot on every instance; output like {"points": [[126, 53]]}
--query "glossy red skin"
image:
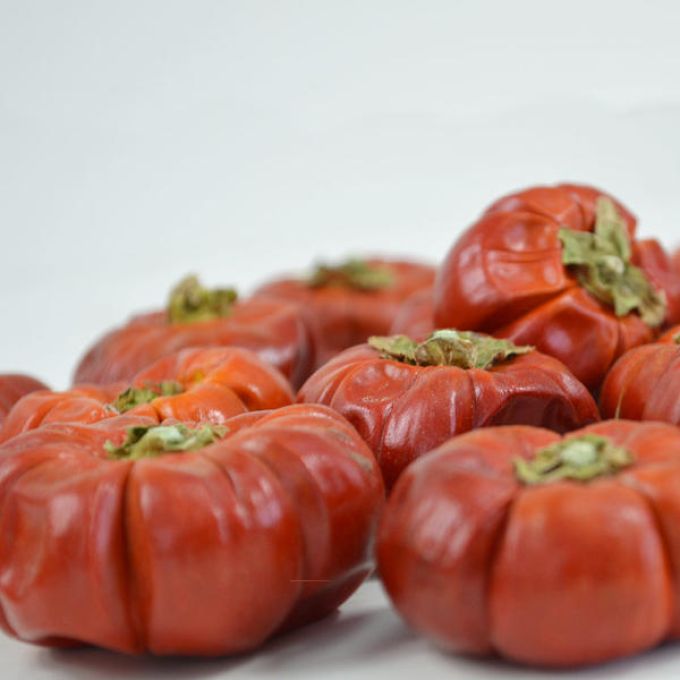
{"points": [[415, 317], [13, 386], [561, 574], [644, 384], [341, 317], [273, 329], [404, 411], [505, 276], [218, 383], [201, 553]]}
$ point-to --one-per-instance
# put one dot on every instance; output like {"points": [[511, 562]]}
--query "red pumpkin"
{"points": [[645, 382], [206, 385], [559, 268], [175, 540], [13, 386], [548, 552], [346, 304], [415, 317], [197, 317], [406, 398]]}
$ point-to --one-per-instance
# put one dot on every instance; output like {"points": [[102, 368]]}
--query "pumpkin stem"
{"points": [[447, 347], [190, 302], [151, 441], [135, 396], [356, 274], [580, 458], [601, 261]]}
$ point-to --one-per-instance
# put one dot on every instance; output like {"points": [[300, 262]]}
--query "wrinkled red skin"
{"points": [[218, 383], [561, 574], [341, 317], [13, 386], [201, 553], [651, 256], [505, 276], [415, 317], [404, 411], [645, 382], [273, 329]]}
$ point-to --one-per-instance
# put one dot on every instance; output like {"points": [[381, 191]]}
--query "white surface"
{"points": [[141, 140]]}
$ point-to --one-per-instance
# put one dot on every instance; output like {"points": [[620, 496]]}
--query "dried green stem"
{"points": [[135, 396], [190, 302], [356, 274], [148, 442], [579, 458], [463, 349], [602, 263]]}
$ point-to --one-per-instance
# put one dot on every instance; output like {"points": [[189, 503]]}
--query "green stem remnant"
{"points": [[356, 274], [135, 396], [463, 349], [602, 262], [580, 458], [148, 442], [191, 302]]}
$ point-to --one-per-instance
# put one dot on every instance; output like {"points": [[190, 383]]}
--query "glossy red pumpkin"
{"points": [[415, 317], [644, 383], [274, 329], [558, 573], [13, 386], [200, 552], [403, 411], [344, 305], [506, 276], [202, 385]]}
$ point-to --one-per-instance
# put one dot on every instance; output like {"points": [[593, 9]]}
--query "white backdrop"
{"points": [[141, 140]]}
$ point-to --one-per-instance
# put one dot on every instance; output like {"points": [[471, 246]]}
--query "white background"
{"points": [[142, 140]]}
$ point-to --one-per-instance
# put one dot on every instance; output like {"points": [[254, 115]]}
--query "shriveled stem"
{"points": [[135, 396], [602, 263], [447, 347], [148, 442], [356, 274], [190, 302], [580, 458]]}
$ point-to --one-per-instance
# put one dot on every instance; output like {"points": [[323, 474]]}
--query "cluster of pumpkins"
{"points": [[500, 433]]}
